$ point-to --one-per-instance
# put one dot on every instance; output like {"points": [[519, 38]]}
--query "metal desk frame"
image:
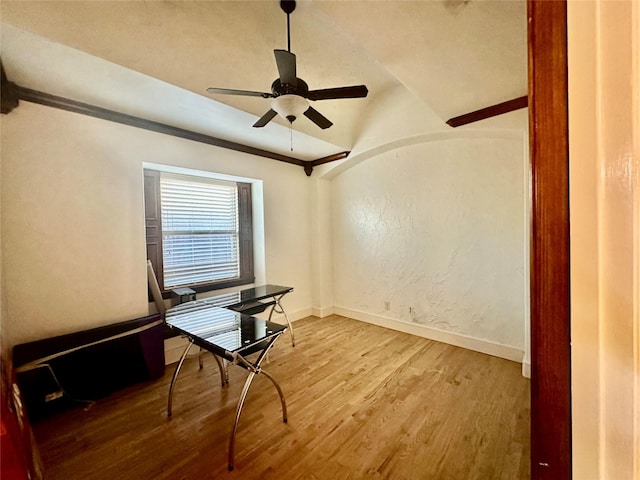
{"points": [[277, 293], [239, 357]]}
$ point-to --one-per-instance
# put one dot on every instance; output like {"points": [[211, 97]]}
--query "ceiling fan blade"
{"points": [[286, 62], [266, 118], [246, 93], [317, 118], [356, 91]]}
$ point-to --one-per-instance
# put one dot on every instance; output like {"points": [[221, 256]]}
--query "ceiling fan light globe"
{"points": [[289, 106]]}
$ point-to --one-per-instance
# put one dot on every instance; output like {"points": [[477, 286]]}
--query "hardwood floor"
{"points": [[363, 402]]}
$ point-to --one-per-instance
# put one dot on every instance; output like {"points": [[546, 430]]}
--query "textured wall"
{"points": [[435, 229]]}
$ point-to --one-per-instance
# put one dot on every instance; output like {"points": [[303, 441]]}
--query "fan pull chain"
{"points": [[291, 134]]}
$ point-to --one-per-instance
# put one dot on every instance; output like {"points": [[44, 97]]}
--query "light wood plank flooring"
{"points": [[363, 401]]}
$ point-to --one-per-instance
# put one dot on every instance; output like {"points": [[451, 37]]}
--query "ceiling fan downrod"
{"points": [[288, 6]]}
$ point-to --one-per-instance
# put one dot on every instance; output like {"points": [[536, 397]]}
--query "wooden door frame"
{"points": [[550, 288]]}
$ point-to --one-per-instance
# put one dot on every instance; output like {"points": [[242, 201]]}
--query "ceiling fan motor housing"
{"points": [[301, 89]]}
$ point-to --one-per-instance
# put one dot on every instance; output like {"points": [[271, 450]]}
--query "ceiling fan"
{"points": [[291, 94]]}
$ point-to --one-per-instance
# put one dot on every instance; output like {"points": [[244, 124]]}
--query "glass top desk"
{"points": [[255, 300], [231, 336]]}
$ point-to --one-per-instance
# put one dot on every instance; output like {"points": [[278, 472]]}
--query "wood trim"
{"points": [[69, 105], [153, 225], [8, 93], [550, 294], [488, 112], [308, 169], [245, 235], [12, 93]]}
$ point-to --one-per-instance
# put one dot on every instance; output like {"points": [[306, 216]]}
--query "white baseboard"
{"points": [[526, 369], [322, 312], [456, 339]]}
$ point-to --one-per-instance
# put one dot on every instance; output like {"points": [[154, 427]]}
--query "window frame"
{"points": [[154, 235]]}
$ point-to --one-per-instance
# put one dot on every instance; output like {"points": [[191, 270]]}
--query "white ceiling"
{"points": [[439, 58]]}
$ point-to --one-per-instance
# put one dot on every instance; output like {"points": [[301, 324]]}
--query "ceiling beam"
{"points": [[488, 112], [69, 105], [13, 93], [8, 93], [308, 169]]}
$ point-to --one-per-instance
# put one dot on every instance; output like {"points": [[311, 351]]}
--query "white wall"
{"points": [[73, 221], [436, 230]]}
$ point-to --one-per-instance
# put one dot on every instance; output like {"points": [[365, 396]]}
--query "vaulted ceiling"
{"points": [[429, 60]]}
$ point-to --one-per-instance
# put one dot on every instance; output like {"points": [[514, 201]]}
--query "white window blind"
{"points": [[199, 230]]}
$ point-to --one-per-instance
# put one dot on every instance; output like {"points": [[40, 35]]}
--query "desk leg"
{"points": [[175, 376], [278, 308], [225, 368], [254, 369], [282, 401], [224, 372], [241, 400]]}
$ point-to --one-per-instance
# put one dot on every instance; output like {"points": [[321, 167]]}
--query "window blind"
{"points": [[199, 231]]}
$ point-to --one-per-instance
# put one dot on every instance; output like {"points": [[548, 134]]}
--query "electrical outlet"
{"points": [[387, 305]]}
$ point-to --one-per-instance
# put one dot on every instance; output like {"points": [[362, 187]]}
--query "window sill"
{"points": [[210, 287]]}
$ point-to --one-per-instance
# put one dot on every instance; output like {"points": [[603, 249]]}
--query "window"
{"points": [[199, 231]]}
